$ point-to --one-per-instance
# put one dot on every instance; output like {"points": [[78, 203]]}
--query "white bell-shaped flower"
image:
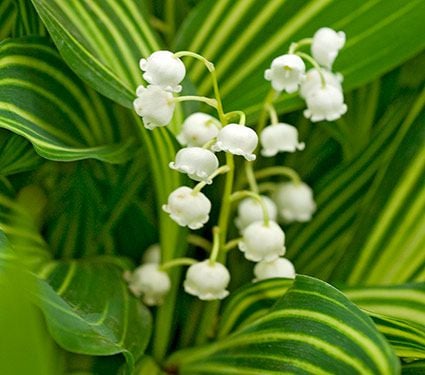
{"points": [[188, 208], [325, 103], [250, 210], [280, 138], [207, 280], [198, 129], [152, 254], [326, 45], [294, 202], [149, 282], [313, 81], [238, 140], [198, 163], [154, 105], [280, 267], [164, 69], [286, 73], [262, 242]]}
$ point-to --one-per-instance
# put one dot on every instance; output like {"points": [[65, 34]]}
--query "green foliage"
{"points": [[313, 328], [25, 348], [398, 311], [403, 302], [17, 223], [248, 34], [44, 102], [345, 193], [16, 154], [101, 42], [397, 207], [251, 302], [68, 73], [7, 18], [89, 309]]}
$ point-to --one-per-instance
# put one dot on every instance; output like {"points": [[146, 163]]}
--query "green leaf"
{"points": [[43, 101], [242, 37], [75, 230], [21, 230], [414, 368], [406, 339], [102, 41], [397, 311], [16, 154], [25, 348], [387, 245], [402, 302], [89, 310], [147, 365], [87, 305], [345, 191], [27, 20], [251, 302], [104, 195], [313, 328], [7, 18]]}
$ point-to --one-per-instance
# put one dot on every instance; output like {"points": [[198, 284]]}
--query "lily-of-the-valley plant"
{"points": [[262, 239]]}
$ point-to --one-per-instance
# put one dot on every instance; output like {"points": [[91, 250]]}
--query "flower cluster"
{"points": [[202, 137], [320, 87]]}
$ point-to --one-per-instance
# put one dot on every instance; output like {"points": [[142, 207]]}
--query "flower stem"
{"points": [[199, 241], [177, 262], [201, 185], [244, 194], [216, 245], [232, 244], [241, 114], [217, 95], [273, 114], [278, 171], [210, 143], [267, 187], [209, 65], [315, 65], [210, 101], [223, 221], [303, 42], [211, 68], [249, 170], [263, 114], [209, 315]]}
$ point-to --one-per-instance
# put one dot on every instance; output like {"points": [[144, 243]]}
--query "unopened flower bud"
{"points": [[313, 81], [207, 281], [294, 202], [188, 208], [152, 254], [149, 282], [238, 140], [286, 73], [325, 103], [250, 210], [262, 242], [154, 105], [280, 138], [198, 163], [164, 69], [280, 267], [198, 129], [326, 45]]}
